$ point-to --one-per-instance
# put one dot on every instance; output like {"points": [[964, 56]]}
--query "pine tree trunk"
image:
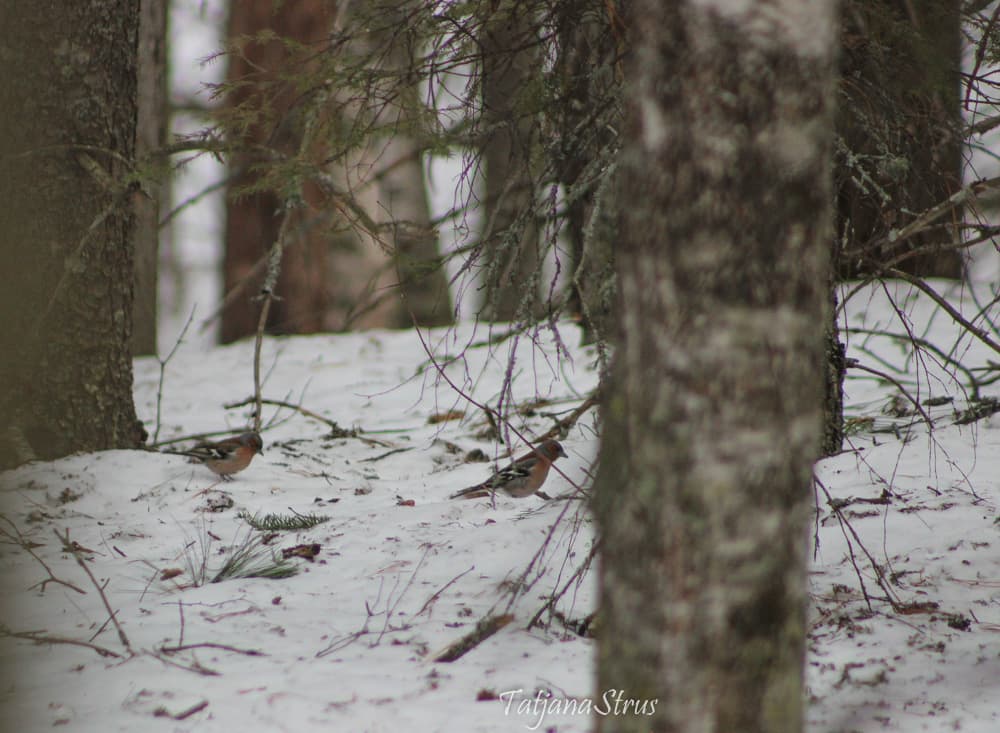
{"points": [[715, 411], [67, 138], [253, 220]]}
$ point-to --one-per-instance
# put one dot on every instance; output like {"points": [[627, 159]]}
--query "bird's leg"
{"points": [[208, 488]]}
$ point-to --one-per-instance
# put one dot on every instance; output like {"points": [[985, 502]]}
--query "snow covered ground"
{"points": [[932, 662], [402, 572]]}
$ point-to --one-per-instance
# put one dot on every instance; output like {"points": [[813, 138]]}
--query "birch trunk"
{"points": [[715, 412]]}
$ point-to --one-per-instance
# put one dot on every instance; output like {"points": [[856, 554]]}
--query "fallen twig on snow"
{"points": [[211, 645], [486, 628], [40, 637], [25, 544], [74, 549], [442, 589]]}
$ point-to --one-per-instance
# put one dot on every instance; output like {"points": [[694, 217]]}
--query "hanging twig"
{"points": [[981, 48], [488, 411], [163, 368], [975, 330], [235, 292], [890, 595], [854, 364], [554, 598], [919, 342], [930, 215]]}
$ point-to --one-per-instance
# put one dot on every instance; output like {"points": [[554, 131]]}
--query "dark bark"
{"points": [[900, 125], [253, 219], [833, 385], [67, 139], [714, 415], [339, 270], [588, 69], [510, 65]]}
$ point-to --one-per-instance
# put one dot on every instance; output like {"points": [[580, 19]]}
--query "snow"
{"points": [[402, 572], [932, 669], [393, 541]]}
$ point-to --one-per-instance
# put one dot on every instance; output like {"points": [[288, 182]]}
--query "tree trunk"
{"points": [[715, 409], [340, 269], [422, 282], [67, 140], [253, 219], [510, 231], [588, 70], [403, 201], [835, 362], [151, 135], [363, 286], [900, 126]]}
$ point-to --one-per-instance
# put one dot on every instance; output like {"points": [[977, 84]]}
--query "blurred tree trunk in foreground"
{"points": [[67, 140], [714, 414]]}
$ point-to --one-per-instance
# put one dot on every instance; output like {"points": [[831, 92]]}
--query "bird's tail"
{"points": [[472, 492]]}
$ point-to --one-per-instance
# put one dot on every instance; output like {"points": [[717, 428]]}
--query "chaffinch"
{"points": [[521, 478], [228, 456]]}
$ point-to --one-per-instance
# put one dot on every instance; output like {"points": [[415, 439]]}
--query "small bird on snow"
{"points": [[521, 478], [228, 456]]}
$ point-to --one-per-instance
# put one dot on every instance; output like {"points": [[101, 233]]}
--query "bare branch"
{"points": [[854, 364], [335, 429], [920, 284], [74, 549], [28, 546], [40, 637]]}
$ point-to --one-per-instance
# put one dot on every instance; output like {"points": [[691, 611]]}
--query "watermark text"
{"points": [[543, 704]]}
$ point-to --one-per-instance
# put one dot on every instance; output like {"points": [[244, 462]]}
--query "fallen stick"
{"points": [[483, 631]]}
